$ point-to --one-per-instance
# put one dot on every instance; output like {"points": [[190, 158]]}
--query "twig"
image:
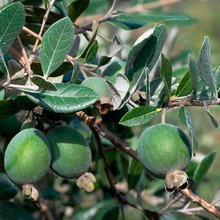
{"points": [[45, 209], [199, 201], [97, 124], [135, 9]]}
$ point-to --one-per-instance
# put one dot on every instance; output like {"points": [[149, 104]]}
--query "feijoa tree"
{"points": [[72, 100]]}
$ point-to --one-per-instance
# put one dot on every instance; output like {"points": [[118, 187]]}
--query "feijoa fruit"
{"points": [[71, 154], [164, 148], [27, 157]]}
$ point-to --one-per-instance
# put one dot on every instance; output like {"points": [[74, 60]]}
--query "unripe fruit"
{"points": [[71, 154], [164, 148], [99, 85], [27, 157]]}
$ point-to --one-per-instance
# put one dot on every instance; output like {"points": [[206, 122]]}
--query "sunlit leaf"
{"points": [[68, 98], [92, 51], [56, 43], [140, 115], [43, 83]]}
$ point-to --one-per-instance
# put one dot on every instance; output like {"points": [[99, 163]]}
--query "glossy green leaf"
{"points": [[185, 85], [134, 173], [112, 213], [145, 53], [134, 21], [56, 43], [10, 107], [12, 19], [43, 83], [213, 120], [205, 66], [194, 73], [166, 74], [8, 190], [186, 120], [203, 167], [116, 48], [138, 116], [12, 211], [68, 98], [76, 8], [3, 65], [92, 51]]}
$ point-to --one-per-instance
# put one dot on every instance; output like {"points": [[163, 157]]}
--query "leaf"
{"points": [[116, 48], [12, 19], [62, 7], [12, 211], [214, 122], [166, 74], [76, 8], [43, 83], [134, 21], [216, 198], [144, 54], [56, 43], [185, 85], [203, 167], [138, 116], [92, 51], [68, 98], [62, 69], [194, 73], [8, 190], [95, 26], [205, 66], [10, 107], [147, 86], [217, 76], [186, 120], [3, 65], [134, 173], [122, 85], [112, 213]]}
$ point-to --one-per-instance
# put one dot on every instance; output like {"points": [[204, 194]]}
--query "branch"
{"points": [[199, 201], [97, 124]]}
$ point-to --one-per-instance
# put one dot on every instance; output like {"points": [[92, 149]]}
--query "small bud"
{"points": [[86, 181], [30, 192]]}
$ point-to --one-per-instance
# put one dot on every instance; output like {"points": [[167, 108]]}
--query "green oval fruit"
{"points": [[99, 85], [71, 154], [164, 148], [27, 157]]}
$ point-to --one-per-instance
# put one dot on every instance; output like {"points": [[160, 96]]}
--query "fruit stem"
{"points": [[199, 201], [163, 116]]}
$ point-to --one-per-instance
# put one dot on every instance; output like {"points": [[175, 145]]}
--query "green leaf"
{"points": [[185, 85], [147, 86], [122, 85], [12, 211], [92, 51], [43, 83], [205, 66], [56, 43], [12, 19], [68, 98], [76, 8], [194, 73], [116, 48], [62, 7], [10, 107], [203, 167], [166, 74], [62, 69], [214, 122], [138, 116], [186, 120], [134, 173], [217, 75], [8, 190], [144, 54], [3, 65], [134, 21], [112, 213]]}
